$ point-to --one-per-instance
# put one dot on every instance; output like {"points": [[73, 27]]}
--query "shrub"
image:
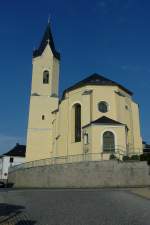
{"points": [[145, 157], [125, 158], [135, 157], [112, 156]]}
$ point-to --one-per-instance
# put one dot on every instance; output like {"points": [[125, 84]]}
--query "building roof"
{"points": [[95, 79], [47, 38], [146, 148], [104, 121], [18, 150]]}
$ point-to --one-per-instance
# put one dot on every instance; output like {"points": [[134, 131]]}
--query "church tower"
{"points": [[44, 98]]}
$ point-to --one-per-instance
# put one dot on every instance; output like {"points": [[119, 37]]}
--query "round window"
{"points": [[103, 107]]}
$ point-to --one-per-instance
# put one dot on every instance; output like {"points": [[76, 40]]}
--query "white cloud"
{"points": [[7, 142]]}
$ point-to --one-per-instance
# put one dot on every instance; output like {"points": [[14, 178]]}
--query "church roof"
{"points": [[18, 150], [104, 121], [96, 79], [47, 38]]}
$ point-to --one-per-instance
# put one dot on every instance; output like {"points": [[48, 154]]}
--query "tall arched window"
{"points": [[77, 122], [46, 77], [108, 141]]}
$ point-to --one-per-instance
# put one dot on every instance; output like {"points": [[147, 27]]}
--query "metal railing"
{"points": [[117, 153]]}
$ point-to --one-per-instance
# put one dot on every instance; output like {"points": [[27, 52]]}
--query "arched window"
{"points": [[46, 77], [77, 122], [108, 141]]}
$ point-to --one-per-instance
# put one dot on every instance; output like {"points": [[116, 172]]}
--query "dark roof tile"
{"points": [[18, 150], [95, 79], [104, 121]]}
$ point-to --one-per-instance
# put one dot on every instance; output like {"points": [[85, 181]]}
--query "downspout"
{"points": [[91, 116], [91, 106], [68, 126]]}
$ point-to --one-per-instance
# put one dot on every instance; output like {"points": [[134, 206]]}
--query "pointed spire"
{"points": [[47, 39], [49, 18]]}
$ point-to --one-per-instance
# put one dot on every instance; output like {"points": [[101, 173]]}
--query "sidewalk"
{"points": [[142, 192]]}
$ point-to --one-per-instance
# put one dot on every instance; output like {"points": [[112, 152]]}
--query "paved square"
{"points": [[73, 207]]}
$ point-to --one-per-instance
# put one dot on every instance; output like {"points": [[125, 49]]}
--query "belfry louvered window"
{"points": [[46, 77]]}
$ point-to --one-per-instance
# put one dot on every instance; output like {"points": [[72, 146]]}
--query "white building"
{"points": [[11, 158]]}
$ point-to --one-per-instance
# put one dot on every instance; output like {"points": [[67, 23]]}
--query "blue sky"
{"points": [[110, 37]]}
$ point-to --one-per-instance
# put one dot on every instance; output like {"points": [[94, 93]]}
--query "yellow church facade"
{"points": [[95, 117]]}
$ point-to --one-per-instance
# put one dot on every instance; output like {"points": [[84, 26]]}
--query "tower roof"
{"points": [[96, 79], [47, 39]]}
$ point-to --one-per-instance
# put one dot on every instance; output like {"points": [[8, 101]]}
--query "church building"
{"points": [[96, 117]]}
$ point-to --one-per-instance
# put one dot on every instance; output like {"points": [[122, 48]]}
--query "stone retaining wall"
{"points": [[83, 175]]}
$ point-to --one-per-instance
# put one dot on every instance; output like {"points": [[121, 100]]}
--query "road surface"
{"points": [[73, 207]]}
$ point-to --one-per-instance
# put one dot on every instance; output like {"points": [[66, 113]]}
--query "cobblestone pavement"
{"points": [[73, 207]]}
